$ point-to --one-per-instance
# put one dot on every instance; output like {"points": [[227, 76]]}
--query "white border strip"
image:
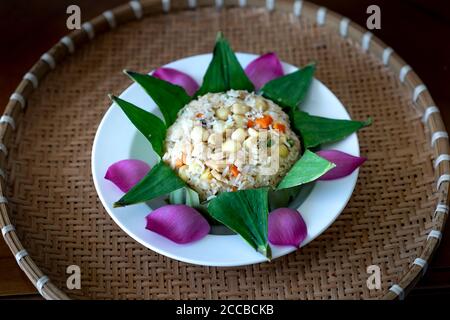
{"points": [[3, 199], [20, 255], [438, 135], [343, 27], [434, 234], [32, 78], [3, 149], [403, 72], [398, 291], [421, 263], [428, 112], [440, 158], [297, 8], [19, 98], [443, 208], [387, 52], [193, 3], [8, 228], [442, 179], [137, 9], [165, 5], [67, 41], [8, 120], [48, 58], [365, 41], [109, 16], [418, 90], [42, 281], [89, 29], [321, 16]]}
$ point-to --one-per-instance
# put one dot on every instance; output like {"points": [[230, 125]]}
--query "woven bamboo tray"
{"points": [[50, 214]]}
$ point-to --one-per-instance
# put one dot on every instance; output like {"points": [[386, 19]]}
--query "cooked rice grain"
{"points": [[231, 141]]}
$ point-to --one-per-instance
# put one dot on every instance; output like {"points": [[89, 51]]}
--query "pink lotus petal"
{"points": [[125, 174], [345, 163], [177, 77], [286, 227], [263, 69], [179, 223]]}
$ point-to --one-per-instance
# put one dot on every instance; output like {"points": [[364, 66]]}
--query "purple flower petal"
{"points": [[286, 227], [179, 223], [263, 69], [177, 77], [345, 163], [125, 174]]}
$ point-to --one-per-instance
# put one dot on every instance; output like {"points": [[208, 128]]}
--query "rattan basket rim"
{"points": [[133, 10]]}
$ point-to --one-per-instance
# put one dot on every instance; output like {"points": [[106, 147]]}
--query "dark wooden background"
{"points": [[418, 30]]}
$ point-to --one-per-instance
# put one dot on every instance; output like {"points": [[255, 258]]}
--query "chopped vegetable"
{"points": [[280, 127], [234, 170], [264, 122]]}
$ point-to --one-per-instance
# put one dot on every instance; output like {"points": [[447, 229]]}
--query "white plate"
{"points": [[117, 139]]}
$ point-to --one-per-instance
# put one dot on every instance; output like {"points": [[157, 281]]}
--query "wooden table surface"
{"points": [[419, 30]]}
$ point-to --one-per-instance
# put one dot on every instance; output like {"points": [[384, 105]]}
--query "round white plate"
{"points": [[117, 139]]}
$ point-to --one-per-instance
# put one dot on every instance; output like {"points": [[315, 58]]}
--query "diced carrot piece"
{"points": [[250, 124], [264, 122], [234, 170], [178, 163], [234, 188], [199, 115], [280, 127]]}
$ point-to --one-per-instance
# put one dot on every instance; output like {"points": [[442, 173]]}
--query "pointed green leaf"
{"points": [[307, 169], [224, 71], [170, 98], [185, 196], [147, 123], [290, 90], [318, 130], [246, 213], [159, 181], [282, 198]]}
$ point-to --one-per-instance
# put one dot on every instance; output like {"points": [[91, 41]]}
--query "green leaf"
{"points": [[282, 198], [170, 98], [185, 196], [159, 181], [290, 90], [246, 213], [317, 130], [147, 123], [307, 169], [224, 71]]}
